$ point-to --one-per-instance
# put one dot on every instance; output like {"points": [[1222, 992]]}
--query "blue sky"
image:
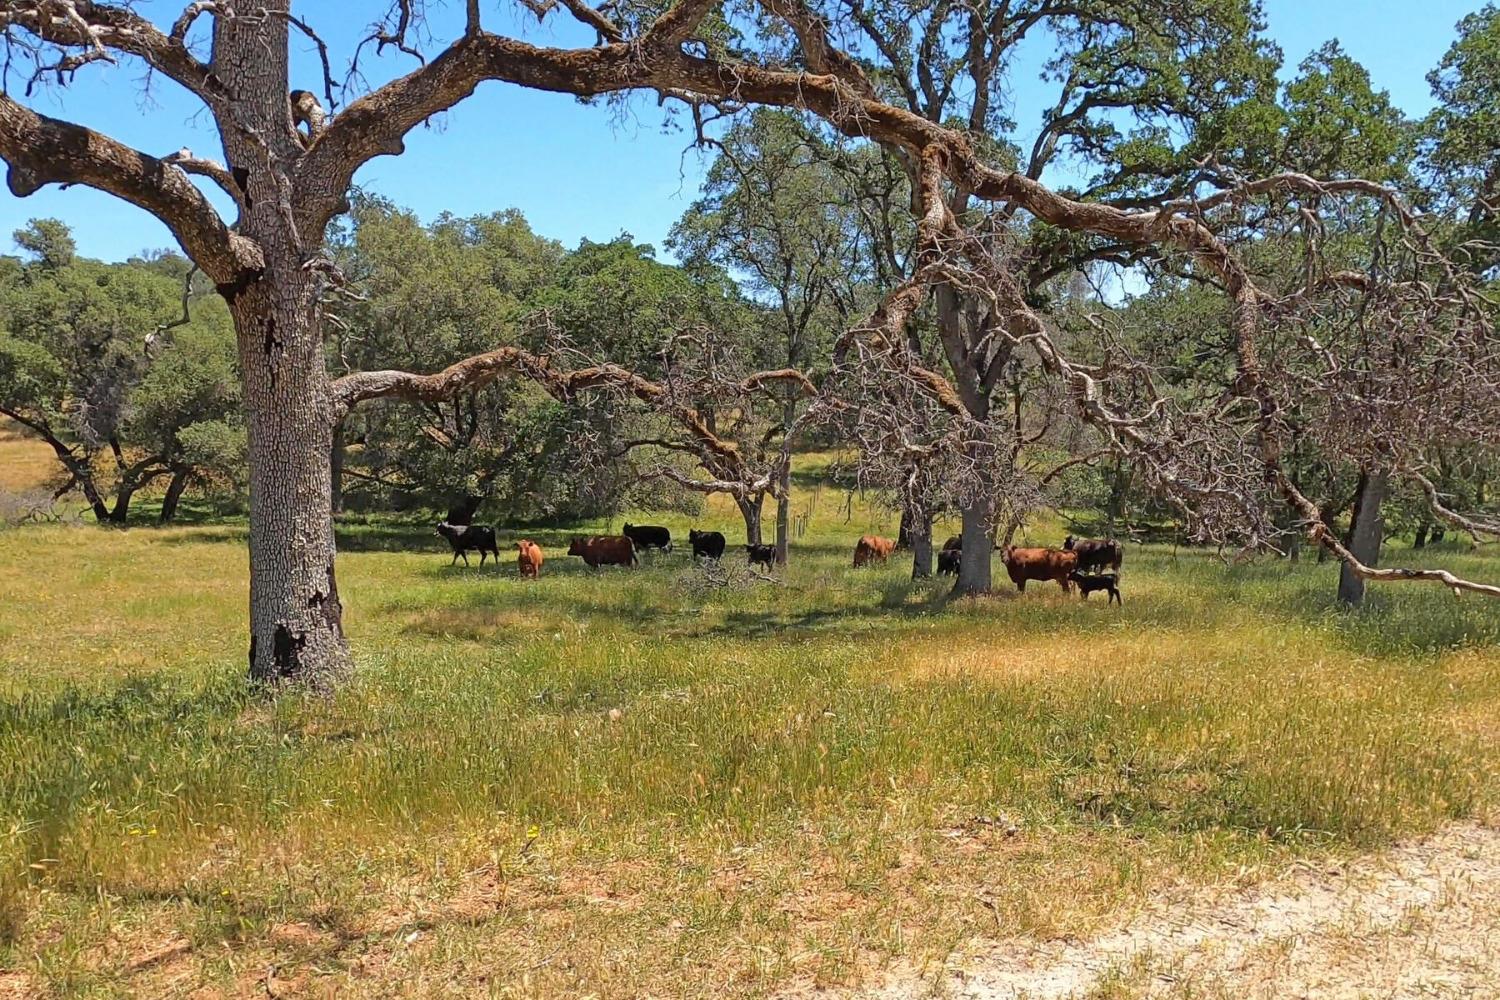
{"points": [[581, 171]]}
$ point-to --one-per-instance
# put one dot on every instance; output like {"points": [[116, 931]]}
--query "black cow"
{"points": [[709, 544], [763, 554], [948, 562], [648, 536], [1090, 582], [1095, 554], [464, 537], [954, 542]]}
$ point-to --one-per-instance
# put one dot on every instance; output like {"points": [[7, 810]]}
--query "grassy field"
{"points": [[25, 462], [650, 782]]}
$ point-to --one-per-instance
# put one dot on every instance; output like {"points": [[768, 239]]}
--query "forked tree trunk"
{"points": [[1365, 535], [750, 510]]}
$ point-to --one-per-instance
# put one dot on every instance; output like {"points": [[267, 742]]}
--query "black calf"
{"points": [[763, 554], [1090, 582]]}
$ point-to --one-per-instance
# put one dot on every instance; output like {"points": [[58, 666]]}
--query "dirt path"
{"points": [[1422, 920]]}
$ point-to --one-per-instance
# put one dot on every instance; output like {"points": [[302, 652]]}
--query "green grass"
{"points": [[634, 782]]}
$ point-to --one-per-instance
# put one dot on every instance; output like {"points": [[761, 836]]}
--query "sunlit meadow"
{"points": [[669, 782]]}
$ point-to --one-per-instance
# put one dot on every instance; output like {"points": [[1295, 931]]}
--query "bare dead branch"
{"points": [[97, 28], [1474, 527]]}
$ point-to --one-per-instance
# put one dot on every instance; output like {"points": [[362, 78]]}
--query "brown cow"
{"points": [[529, 558], [1040, 564], [872, 549], [604, 550]]}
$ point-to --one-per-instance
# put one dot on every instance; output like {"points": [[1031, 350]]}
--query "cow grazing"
{"points": [[1094, 554], [872, 549], [954, 542], [1090, 582], [1040, 564], [466, 537], [604, 550], [948, 561], [707, 544], [529, 558], [763, 554], [648, 536]]}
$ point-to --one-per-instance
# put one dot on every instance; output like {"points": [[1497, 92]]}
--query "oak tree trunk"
{"points": [[296, 620], [180, 476], [1365, 535], [462, 511], [784, 479], [1328, 513], [977, 548], [921, 543], [904, 530], [120, 512], [783, 518], [750, 510], [1119, 492], [336, 469]]}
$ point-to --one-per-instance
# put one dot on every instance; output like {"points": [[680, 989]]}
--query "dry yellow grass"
{"points": [[25, 462], [638, 783]]}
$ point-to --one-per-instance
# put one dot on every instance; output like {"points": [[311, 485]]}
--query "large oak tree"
{"points": [[288, 162]]}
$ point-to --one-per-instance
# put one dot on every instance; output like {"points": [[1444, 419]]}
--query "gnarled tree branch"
{"points": [[41, 150]]}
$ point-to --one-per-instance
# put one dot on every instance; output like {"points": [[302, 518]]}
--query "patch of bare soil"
{"points": [[1421, 920], [16, 986]]}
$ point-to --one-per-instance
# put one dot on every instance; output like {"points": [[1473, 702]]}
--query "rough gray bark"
{"points": [[974, 575], [783, 519], [784, 488], [750, 510], [296, 620], [920, 527], [1365, 535]]}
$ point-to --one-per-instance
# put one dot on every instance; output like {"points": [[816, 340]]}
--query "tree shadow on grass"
{"points": [[210, 534]]}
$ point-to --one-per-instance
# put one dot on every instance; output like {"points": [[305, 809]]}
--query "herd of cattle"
{"points": [[1081, 562]]}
